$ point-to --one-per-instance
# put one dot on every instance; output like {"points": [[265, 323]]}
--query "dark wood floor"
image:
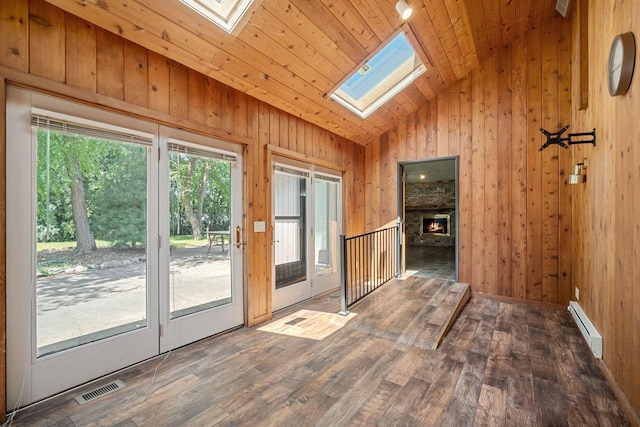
{"points": [[500, 364]]}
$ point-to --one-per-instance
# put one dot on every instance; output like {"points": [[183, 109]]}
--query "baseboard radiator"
{"points": [[589, 332]]}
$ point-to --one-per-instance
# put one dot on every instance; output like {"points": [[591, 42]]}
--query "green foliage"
{"points": [[119, 201], [115, 183]]}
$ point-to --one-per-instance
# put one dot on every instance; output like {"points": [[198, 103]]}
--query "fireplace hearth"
{"points": [[436, 224]]}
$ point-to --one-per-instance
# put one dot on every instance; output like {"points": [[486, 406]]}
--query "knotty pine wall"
{"points": [[606, 210], [45, 48], [515, 210]]}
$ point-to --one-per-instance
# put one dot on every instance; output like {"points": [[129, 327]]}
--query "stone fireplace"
{"points": [[430, 215]]}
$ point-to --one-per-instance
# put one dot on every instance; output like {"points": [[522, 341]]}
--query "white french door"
{"points": [[307, 225], [200, 285], [74, 312]]}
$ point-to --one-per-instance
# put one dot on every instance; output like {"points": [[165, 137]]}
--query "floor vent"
{"points": [[98, 392], [589, 332]]}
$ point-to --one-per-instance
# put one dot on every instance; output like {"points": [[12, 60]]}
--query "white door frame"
{"points": [[313, 285], [31, 378]]}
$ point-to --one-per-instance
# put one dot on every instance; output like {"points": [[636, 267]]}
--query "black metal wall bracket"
{"points": [[570, 139]]}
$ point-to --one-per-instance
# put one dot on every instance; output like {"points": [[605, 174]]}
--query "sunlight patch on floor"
{"points": [[315, 325]]}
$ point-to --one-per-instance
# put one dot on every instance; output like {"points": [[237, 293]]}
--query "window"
{"points": [[380, 78], [224, 13]]}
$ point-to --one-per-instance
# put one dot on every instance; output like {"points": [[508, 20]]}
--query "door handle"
{"points": [[238, 243]]}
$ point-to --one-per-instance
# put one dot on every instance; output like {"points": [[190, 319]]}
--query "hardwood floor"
{"points": [[500, 364]]}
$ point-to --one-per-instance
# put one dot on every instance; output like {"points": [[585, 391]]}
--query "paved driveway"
{"points": [[114, 299]]}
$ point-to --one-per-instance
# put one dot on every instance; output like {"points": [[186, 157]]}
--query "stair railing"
{"points": [[368, 261]]}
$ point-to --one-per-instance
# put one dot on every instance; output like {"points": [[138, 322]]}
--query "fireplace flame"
{"points": [[434, 227]]}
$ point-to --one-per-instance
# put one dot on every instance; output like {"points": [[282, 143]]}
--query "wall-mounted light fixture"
{"points": [[403, 9], [579, 175]]}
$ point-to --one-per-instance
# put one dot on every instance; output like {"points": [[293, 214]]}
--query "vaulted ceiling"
{"points": [[291, 54]]}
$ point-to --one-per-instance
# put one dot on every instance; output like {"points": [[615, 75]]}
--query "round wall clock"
{"points": [[622, 60]]}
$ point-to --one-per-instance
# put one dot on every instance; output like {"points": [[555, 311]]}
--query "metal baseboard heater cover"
{"points": [[589, 332]]}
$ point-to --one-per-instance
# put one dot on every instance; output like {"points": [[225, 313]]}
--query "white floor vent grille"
{"points": [[589, 332], [98, 392]]}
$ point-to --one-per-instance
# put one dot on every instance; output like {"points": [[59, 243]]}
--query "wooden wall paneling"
{"points": [[179, 90], [376, 151], [421, 132], [550, 162], [625, 219], [462, 29], [564, 192], [443, 124], [369, 178], [582, 12], [284, 131], [465, 169], [14, 35], [308, 136], [494, 29], [504, 140], [241, 114], [46, 41], [522, 17], [259, 203], [158, 81], [534, 165], [399, 138], [293, 134], [442, 22], [227, 107], [478, 182], [136, 74], [634, 189], [196, 97], [519, 141], [411, 148], [384, 186], [110, 65], [432, 129], [212, 102], [453, 137], [508, 18], [491, 176], [301, 137], [478, 28], [80, 53], [3, 252]]}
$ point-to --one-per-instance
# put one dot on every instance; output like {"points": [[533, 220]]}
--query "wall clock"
{"points": [[622, 60]]}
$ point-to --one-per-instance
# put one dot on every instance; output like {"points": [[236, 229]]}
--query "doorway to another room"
{"points": [[428, 206]]}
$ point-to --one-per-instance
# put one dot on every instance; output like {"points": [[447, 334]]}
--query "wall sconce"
{"points": [[579, 175], [404, 9]]}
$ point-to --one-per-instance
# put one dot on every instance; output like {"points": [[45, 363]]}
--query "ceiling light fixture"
{"points": [[403, 9]]}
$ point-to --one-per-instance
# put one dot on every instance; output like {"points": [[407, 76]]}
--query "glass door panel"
{"points": [[200, 212], [327, 229], [201, 206], [80, 272], [91, 232], [290, 229]]}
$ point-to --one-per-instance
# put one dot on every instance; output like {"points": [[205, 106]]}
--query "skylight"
{"points": [[380, 78], [223, 13]]}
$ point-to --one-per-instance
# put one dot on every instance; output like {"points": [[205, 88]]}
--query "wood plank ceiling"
{"points": [[291, 54]]}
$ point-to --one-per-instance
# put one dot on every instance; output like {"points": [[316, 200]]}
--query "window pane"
{"points": [[200, 209], [326, 227], [91, 233], [290, 229]]}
